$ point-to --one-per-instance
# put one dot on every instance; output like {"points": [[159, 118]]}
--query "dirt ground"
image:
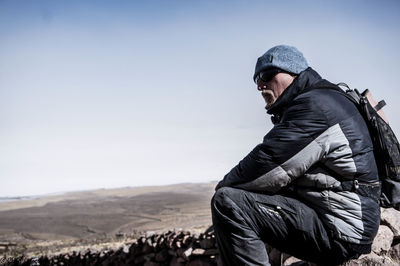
{"points": [[105, 215]]}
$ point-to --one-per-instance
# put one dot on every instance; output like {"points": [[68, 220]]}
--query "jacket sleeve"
{"points": [[287, 151]]}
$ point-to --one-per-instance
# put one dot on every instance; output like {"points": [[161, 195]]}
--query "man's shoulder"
{"points": [[324, 95], [322, 104], [322, 89]]}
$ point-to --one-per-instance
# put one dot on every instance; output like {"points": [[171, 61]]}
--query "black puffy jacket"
{"points": [[319, 148]]}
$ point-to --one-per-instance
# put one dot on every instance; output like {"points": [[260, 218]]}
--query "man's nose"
{"points": [[260, 87]]}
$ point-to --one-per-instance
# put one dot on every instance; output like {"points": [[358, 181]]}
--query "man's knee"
{"points": [[226, 201], [221, 196]]}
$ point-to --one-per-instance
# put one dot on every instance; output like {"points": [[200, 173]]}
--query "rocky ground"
{"points": [[185, 248], [98, 219], [41, 234]]}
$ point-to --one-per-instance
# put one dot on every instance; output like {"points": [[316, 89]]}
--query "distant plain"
{"points": [[105, 213]]}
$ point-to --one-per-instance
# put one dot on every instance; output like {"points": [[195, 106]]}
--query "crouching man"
{"points": [[311, 188]]}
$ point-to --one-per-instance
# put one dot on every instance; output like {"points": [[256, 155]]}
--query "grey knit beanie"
{"points": [[284, 57]]}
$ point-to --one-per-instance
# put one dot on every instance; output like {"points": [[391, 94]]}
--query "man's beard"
{"points": [[269, 98]]}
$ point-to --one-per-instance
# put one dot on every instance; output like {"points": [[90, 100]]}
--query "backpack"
{"points": [[385, 143]]}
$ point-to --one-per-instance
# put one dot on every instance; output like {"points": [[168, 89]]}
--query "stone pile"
{"points": [[183, 248], [173, 248], [386, 246]]}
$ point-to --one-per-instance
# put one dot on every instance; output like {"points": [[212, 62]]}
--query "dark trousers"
{"points": [[243, 221]]}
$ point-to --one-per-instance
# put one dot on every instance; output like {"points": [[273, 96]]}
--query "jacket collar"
{"points": [[305, 79]]}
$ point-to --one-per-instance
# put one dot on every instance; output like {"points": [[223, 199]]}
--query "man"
{"points": [[311, 188]]}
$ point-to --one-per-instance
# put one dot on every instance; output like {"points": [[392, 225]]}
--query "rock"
{"points": [[373, 260], [391, 218], [125, 249], [198, 252], [211, 252], [369, 259], [186, 254], [395, 253], [186, 240], [383, 240], [291, 261], [207, 243], [186, 233], [387, 261], [160, 240], [155, 238], [170, 242], [201, 250], [149, 234]]}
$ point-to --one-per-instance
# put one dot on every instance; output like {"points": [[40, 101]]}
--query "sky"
{"points": [[106, 94]]}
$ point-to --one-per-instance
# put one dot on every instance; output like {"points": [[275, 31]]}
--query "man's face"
{"points": [[274, 87]]}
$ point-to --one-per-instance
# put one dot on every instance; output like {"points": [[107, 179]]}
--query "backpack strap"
{"points": [[343, 85], [380, 105], [352, 95]]}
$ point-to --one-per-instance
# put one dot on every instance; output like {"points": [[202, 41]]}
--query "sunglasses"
{"points": [[267, 75]]}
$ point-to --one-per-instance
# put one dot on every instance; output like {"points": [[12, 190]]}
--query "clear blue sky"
{"points": [[129, 93]]}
